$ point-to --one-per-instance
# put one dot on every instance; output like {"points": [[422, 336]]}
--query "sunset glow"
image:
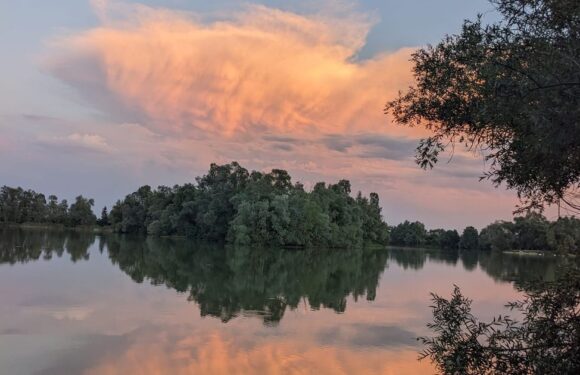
{"points": [[154, 93]]}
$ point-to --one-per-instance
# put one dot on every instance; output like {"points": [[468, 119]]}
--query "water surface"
{"points": [[76, 303]]}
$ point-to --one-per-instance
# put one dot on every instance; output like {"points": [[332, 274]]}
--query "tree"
{"points": [[510, 90], [450, 240], [81, 212], [469, 239], [104, 219], [497, 236], [231, 204], [375, 229], [564, 235], [545, 341], [409, 234], [531, 232]]}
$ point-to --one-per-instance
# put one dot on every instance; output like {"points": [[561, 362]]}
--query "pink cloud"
{"points": [[263, 69], [215, 354], [265, 87], [77, 141]]}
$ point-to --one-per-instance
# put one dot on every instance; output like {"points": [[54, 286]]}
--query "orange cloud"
{"points": [[215, 354], [264, 69], [265, 87]]}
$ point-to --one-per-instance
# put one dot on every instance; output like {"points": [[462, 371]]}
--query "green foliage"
{"points": [[545, 341], [532, 232], [497, 236], [228, 281], [56, 212], [442, 239], [414, 234], [469, 239], [81, 212], [409, 234], [23, 246], [564, 235], [511, 90], [20, 206], [231, 204], [104, 219], [450, 240]]}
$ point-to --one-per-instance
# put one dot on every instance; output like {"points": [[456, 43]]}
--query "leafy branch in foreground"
{"points": [[545, 341], [509, 90]]}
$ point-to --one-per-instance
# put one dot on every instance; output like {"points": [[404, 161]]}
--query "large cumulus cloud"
{"points": [[260, 70]]}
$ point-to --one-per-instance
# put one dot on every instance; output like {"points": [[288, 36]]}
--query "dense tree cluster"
{"points": [[27, 206], [469, 239], [533, 232], [232, 204], [414, 234], [530, 232]]}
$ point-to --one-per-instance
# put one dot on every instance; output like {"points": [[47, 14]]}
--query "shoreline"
{"points": [[59, 227]]}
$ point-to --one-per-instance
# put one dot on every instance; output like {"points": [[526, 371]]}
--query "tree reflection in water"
{"points": [[229, 281], [22, 246]]}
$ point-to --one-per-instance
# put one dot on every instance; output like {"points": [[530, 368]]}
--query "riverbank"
{"points": [[529, 252], [59, 227]]}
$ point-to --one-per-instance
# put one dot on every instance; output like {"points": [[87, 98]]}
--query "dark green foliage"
{"points": [[532, 232], [56, 212], [374, 229], [546, 340], [497, 236], [501, 267], [409, 234], [442, 239], [450, 240], [104, 219], [511, 90], [81, 212], [22, 246], [469, 239], [564, 235], [231, 204], [414, 234], [20, 206], [228, 281]]}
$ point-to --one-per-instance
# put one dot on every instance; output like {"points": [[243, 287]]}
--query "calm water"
{"points": [[83, 304]]}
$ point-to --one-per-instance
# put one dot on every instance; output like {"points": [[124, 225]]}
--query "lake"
{"points": [[77, 303]]}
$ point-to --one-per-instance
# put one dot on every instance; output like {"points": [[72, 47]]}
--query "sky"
{"points": [[100, 97]]}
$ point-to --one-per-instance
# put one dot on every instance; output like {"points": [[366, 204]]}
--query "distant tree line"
{"points": [[231, 204], [530, 232], [27, 206]]}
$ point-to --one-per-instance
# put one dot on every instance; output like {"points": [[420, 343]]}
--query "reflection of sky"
{"points": [[57, 317]]}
